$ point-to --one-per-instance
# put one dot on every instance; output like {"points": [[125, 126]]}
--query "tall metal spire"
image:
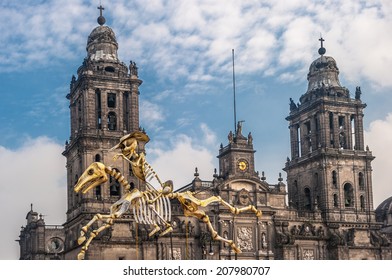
{"points": [[235, 109]]}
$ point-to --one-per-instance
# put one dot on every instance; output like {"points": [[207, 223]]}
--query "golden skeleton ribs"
{"points": [[151, 207]]}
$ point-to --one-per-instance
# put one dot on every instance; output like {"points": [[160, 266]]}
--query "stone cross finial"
{"points": [[101, 20], [100, 8], [321, 50], [321, 40]]}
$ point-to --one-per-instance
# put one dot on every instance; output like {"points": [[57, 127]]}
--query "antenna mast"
{"points": [[235, 110]]}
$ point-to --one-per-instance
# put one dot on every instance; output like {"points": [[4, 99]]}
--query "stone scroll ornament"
{"points": [[150, 207]]}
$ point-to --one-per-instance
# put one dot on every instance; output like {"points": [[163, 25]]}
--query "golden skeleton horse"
{"points": [[150, 206]]}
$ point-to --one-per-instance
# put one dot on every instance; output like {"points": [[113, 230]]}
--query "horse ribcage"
{"points": [[155, 213]]}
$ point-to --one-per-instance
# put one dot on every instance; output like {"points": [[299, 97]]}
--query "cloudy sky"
{"points": [[184, 53]]}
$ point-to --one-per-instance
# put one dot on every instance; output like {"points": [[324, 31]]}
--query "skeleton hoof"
{"points": [[81, 240], [81, 255], [236, 249], [169, 229], [155, 230]]}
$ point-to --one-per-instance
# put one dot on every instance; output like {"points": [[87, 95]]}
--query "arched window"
{"points": [[353, 136], [295, 184], [114, 185], [111, 100], [98, 194], [361, 181], [308, 200], [335, 200], [132, 184], [331, 128], [97, 158], [112, 121], [348, 195], [362, 201], [334, 179], [77, 196], [342, 140], [98, 108], [299, 149]]}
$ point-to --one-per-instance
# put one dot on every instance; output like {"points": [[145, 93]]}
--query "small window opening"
{"points": [[362, 201], [114, 186], [111, 100], [341, 122], [348, 195], [342, 140], [335, 201], [98, 194], [331, 127], [361, 181], [299, 151], [308, 202], [98, 108], [109, 69], [112, 121], [353, 132], [334, 179]]}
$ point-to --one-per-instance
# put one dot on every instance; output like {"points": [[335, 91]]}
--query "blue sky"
{"points": [[183, 50]]}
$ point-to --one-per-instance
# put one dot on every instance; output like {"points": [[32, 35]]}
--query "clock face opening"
{"points": [[242, 165]]}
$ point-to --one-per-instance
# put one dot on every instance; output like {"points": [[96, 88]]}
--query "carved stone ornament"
{"points": [[176, 254], [308, 254], [245, 238], [243, 197], [55, 245]]}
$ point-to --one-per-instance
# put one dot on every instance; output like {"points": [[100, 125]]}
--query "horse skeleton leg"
{"points": [[168, 229], [108, 223], [200, 214]]}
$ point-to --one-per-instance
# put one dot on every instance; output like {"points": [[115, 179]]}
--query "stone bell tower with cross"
{"points": [[330, 168], [104, 106]]}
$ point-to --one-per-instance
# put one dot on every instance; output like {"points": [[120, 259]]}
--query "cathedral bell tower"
{"points": [[104, 106], [330, 168]]}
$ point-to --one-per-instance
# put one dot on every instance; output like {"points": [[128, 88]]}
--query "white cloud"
{"points": [[178, 158], [194, 38], [151, 114], [209, 137], [38, 33], [379, 139], [269, 37], [33, 173]]}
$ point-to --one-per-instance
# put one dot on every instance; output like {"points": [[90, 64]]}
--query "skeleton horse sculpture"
{"points": [[152, 206]]}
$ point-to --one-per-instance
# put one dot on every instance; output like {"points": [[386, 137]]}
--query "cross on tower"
{"points": [[100, 8], [101, 20], [321, 40], [321, 50]]}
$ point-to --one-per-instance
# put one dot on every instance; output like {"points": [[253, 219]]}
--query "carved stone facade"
{"points": [[39, 241], [329, 214]]}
